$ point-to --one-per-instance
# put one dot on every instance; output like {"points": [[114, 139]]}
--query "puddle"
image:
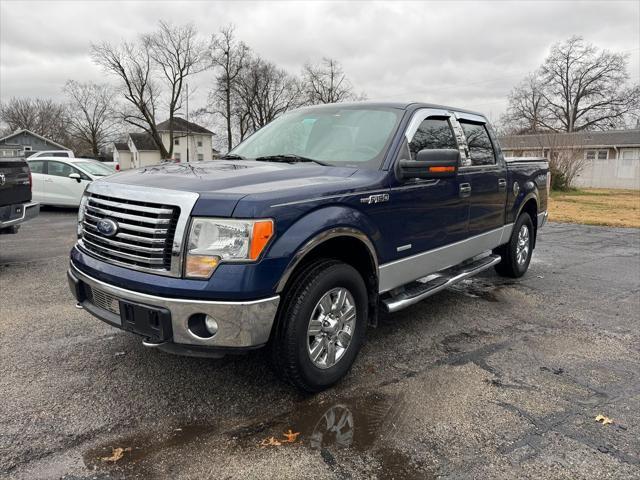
{"points": [[368, 426]]}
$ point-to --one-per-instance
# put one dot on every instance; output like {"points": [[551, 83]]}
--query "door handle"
{"points": [[502, 184], [465, 190], [48, 180]]}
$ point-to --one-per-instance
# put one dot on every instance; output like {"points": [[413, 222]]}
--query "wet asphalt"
{"points": [[493, 378]]}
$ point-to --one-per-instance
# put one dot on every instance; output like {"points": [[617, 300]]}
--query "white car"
{"points": [[61, 181]]}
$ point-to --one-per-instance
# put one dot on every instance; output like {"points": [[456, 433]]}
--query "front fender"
{"points": [[319, 226]]}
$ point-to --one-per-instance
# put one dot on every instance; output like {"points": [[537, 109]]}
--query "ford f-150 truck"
{"points": [[301, 234], [16, 206]]}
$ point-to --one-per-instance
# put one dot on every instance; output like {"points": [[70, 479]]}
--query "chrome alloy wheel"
{"points": [[522, 249], [331, 327]]}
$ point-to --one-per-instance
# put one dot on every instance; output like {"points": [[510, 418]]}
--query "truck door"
{"points": [[422, 215], [485, 176]]}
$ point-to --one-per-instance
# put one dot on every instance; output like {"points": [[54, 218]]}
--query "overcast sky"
{"points": [[461, 53]]}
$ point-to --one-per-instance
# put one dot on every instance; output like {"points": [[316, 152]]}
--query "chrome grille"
{"points": [[145, 235], [102, 299]]}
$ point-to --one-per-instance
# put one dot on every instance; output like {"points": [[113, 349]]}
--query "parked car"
{"points": [[62, 181], [298, 237], [16, 205], [53, 153]]}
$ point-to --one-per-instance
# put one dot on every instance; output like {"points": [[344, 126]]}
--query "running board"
{"points": [[421, 289]]}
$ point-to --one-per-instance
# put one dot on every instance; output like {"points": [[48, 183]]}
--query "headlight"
{"points": [[213, 240], [81, 210]]}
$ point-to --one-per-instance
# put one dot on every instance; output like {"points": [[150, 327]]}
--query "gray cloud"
{"points": [[461, 53]]}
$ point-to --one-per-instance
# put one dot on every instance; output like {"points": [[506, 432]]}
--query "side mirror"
{"points": [[431, 163], [76, 177]]}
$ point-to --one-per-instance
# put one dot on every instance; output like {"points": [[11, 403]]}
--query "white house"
{"points": [[191, 142], [611, 158]]}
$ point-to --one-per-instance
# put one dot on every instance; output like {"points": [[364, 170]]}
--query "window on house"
{"points": [[479, 143], [199, 143], [597, 154], [176, 155], [200, 157], [628, 163], [176, 141]]}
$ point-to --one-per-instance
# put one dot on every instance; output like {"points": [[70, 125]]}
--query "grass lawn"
{"points": [[591, 206]]}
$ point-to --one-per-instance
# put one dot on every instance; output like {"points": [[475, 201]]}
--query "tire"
{"points": [[510, 266], [292, 343]]}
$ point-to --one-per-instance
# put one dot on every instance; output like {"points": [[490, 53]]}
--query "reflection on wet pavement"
{"points": [[364, 426]]}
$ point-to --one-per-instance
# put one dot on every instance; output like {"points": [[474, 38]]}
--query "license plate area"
{"points": [[151, 322]]}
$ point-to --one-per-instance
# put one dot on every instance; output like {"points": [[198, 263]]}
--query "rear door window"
{"points": [[433, 133], [479, 143], [37, 166]]}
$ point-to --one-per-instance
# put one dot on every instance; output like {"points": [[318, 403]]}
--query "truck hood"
{"points": [[227, 181], [224, 176]]}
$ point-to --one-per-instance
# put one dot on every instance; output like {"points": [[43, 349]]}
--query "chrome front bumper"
{"points": [[244, 324]]}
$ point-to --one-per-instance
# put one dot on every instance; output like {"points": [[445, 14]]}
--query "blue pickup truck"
{"points": [[298, 237]]}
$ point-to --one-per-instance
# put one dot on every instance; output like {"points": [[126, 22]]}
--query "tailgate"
{"points": [[14, 182]]}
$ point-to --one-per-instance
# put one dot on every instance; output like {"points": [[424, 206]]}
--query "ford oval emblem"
{"points": [[107, 227]]}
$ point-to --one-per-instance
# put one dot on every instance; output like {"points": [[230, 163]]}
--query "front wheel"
{"points": [[321, 325], [516, 255]]}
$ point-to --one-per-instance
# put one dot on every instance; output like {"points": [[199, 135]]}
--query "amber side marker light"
{"points": [[442, 169], [262, 233]]}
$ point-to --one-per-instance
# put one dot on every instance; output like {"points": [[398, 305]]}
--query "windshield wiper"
{"points": [[232, 156], [289, 158]]}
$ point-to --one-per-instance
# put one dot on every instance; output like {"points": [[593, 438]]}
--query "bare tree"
{"points": [[229, 56], [39, 115], [175, 52], [577, 88], [132, 64], [92, 120], [526, 112], [265, 91], [326, 82]]}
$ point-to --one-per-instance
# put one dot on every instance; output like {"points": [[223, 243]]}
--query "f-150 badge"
{"points": [[379, 198]]}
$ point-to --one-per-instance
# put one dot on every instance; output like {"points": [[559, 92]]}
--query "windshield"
{"points": [[95, 168], [341, 136]]}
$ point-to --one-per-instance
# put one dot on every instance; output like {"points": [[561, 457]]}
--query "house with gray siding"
{"points": [[610, 159], [31, 142]]}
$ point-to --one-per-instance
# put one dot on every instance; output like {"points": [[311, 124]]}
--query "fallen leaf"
{"points": [[116, 454], [603, 420], [290, 436], [270, 442]]}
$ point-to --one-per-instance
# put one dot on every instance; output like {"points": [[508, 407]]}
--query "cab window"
{"points": [[433, 133], [479, 143]]}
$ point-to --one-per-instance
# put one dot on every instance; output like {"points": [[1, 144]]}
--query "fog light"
{"points": [[211, 324], [202, 326]]}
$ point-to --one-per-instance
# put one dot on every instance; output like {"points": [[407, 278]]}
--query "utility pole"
{"points": [[187, 123]]}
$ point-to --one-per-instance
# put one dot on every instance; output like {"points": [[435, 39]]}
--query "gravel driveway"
{"points": [[491, 379]]}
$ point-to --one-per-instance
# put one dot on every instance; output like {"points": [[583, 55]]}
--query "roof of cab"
{"points": [[398, 105]]}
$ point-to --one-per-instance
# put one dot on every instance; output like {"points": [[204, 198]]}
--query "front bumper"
{"points": [[241, 325], [16, 214]]}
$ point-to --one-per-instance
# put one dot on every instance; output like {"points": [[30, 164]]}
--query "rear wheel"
{"points": [[321, 325], [516, 255]]}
